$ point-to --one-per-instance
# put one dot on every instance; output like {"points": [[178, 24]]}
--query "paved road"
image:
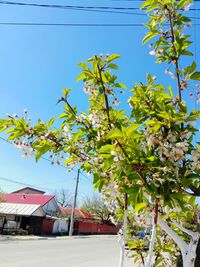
{"points": [[76, 252]]}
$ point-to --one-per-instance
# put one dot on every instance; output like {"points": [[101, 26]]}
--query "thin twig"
{"points": [[176, 56]]}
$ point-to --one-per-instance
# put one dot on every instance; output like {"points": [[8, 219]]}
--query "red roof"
{"points": [[27, 198], [78, 213]]}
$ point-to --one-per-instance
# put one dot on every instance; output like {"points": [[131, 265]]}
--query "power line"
{"points": [[20, 183], [78, 24], [73, 24], [78, 8], [46, 159], [68, 6], [99, 9], [75, 6]]}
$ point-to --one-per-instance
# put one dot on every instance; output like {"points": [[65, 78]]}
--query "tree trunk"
{"points": [[122, 239], [188, 250], [150, 259], [197, 260]]}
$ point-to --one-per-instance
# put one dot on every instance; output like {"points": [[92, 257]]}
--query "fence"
{"points": [[81, 227]]}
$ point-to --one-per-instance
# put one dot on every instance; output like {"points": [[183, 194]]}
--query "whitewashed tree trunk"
{"points": [[122, 240], [188, 251], [151, 246]]}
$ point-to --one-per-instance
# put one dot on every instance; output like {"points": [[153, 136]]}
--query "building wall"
{"points": [[47, 226], [29, 191], [35, 225], [60, 226], [51, 207]]}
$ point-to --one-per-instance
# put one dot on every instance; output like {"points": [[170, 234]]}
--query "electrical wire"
{"points": [[73, 24], [77, 24], [78, 8], [75, 6], [68, 6], [23, 184], [84, 8], [46, 159]]}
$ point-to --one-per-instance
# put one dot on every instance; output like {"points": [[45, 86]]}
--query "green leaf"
{"points": [[112, 57], [69, 160], [63, 115], [42, 150], [51, 121], [149, 36], [77, 136], [189, 69], [106, 149], [139, 206], [114, 134], [132, 245], [87, 166], [83, 66], [134, 176], [195, 114], [132, 128], [113, 66], [187, 53], [195, 76], [120, 85], [80, 77], [170, 91], [66, 92]]}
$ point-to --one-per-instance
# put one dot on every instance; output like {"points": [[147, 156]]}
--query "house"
{"points": [[46, 202], [31, 211], [78, 213], [29, 190], [86, 224]]}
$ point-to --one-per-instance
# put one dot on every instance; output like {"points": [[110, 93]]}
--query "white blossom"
{"points": [[116, 102], [94, 119], [171, 137], [66, 128], [195, 159], [26, 150], [187, 7], [113, 153], [192, 123], [152, 52]]}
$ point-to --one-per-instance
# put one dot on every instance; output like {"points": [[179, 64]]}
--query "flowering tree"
{"points": [[146, 164]]}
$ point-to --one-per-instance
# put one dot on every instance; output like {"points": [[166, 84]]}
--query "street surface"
{"points": [[71, 252]]}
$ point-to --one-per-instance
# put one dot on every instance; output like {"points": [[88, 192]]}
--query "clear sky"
{"points": [[36, 62]]}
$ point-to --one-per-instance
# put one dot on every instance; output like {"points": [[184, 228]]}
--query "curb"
{"points": [[28, 238]]}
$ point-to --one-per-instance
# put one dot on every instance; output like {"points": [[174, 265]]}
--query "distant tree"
{"points": [[1, 196], [64, 197], [95, 207]]}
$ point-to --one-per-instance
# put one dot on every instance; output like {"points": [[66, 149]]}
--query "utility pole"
{"points": [[74, 206]]}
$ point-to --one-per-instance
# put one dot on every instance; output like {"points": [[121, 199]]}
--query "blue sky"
{"points": [[36, 62]]}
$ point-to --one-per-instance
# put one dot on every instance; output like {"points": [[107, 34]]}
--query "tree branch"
{"points": [[175, 53], [194, 235], [177, 239], [104, 92]]}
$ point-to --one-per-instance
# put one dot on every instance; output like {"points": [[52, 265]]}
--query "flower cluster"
{"points": [[26, 149], [142, 219], [90, 90], [116, 156], [95, 119], [195, 159]]}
